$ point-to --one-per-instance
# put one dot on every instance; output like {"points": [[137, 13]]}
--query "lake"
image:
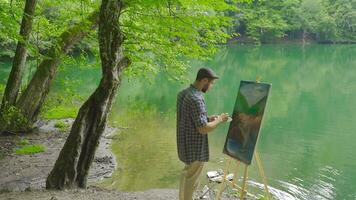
{"points": [[307, 142]]}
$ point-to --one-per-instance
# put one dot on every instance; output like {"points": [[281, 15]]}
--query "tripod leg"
{"points": [[234, 180], [218, 195], [262, 173], [242, 193]]}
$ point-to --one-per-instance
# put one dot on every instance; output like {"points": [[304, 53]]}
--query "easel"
{"points": [[233, 183], [243, 187]]}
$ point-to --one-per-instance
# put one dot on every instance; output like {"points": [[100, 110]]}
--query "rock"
{"points": [[105, 159]]}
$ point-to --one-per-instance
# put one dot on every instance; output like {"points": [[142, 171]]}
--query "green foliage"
{"points": [[313, 18], [62, 126], [2, 90], [51, 19], [343, 12], [61, 111], [10, 15], [23, 142], [263, 198], [30, 149], [165, 35], [26, 148], [68, 91], [322, 20], [263, 20], [12, 119]]}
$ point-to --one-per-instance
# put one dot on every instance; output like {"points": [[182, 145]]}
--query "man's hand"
{"points": [[223, 117], [211, 125], [213, 118]]}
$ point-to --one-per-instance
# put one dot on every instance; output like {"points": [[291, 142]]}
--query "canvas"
{"points": [[246, 120]]}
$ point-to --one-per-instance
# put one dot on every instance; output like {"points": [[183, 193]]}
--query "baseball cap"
{"points": [[205, 72]]}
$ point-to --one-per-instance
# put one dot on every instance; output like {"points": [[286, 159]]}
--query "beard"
{"points": [[205, 88]]}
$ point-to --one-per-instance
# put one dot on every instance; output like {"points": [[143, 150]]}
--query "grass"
{"points": [[30, 149], [62, 126], [26, 148], [24, 142], [60, 112], [1, 155]]}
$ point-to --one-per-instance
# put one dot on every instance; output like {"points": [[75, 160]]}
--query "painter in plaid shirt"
{"points": [[193, 125]]}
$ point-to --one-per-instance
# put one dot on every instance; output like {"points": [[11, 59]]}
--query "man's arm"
{"points": [[212, 118], [213, 124]]}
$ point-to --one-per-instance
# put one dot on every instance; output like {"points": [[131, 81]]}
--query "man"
{"points": [[193, 125]]}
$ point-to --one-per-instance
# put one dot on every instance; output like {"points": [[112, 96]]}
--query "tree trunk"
{"points": [[72, 166], [33, 97], [18, 64]]}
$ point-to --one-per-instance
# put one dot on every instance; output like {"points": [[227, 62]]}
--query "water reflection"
{"points": [[321, 187], [308, 126]]}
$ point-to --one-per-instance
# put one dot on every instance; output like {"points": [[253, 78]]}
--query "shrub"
{"points": [[62, 126], [23, 142], [12, 119]]}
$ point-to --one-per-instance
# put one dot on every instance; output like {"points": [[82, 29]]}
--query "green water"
{"points": [[307, 141]]}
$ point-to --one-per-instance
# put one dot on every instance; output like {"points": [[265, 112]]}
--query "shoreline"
{"points": [[92, 193], [277, 41], [244, 41], [23, 177], [29, 172]]}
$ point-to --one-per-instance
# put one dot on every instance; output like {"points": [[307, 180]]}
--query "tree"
{"points": [[91, 120], [312, 16], [10, 15], [62, 34], [344, 14], [262, 21], [34, 95], [18, 65], [319, 20], [153, 36]]}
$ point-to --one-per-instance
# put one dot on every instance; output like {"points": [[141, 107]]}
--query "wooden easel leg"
{"points": [[262, 173], [242, 193], [234, 180], [218, 195]]}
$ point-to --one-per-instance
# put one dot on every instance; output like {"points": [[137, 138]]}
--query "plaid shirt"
{"points": [[191, 114]]}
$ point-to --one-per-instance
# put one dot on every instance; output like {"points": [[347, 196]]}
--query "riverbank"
{"points": [[29, 171], [92, 193], [22, 177], [243, 40]]}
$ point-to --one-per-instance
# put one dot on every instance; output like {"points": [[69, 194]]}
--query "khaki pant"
{"points": [[190, 180]]}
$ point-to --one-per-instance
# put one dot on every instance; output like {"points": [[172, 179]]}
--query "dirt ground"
{"points": [[29, 172], [92, 193]]}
